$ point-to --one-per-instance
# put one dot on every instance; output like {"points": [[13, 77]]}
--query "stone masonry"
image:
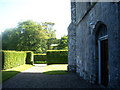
{"points": [[83, 32], [72, 40]]}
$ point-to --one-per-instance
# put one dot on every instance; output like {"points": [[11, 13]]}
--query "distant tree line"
{"points": [[32, 36]]}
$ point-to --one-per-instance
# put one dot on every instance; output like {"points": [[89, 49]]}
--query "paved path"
{"points": [[33, 78]]}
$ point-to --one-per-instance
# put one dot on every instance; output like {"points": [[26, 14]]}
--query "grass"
{"points": [[6, 74], [39, 54], [40, 62], [57, 72], [56, 69]]}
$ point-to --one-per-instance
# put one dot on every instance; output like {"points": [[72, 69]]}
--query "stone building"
{"points": [[94, 42]]}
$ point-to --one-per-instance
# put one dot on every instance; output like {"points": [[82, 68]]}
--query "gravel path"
{"points": [[33, 78]]}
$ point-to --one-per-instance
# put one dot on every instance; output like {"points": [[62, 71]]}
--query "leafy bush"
{"points": [[57, 56], [29, 57], [12, 59], [40, 57]]}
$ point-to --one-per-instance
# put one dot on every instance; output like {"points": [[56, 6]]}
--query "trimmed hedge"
{"points": [[40, 57], [29, 57], [57, 56], [12, 59]]}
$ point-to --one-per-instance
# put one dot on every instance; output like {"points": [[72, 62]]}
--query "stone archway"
{"points": [[102, 50]]}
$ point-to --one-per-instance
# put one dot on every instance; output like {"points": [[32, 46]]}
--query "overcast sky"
{"points": [[14, 11]]}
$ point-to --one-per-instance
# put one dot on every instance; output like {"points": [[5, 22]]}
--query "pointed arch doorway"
{"points": [[103, 66]]}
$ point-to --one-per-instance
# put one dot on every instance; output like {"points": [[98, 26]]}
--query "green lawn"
{"points": [[56, 69], [40, 62], [57, 72], [6, 74]]}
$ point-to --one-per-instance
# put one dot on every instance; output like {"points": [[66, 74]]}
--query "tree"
{"points": [[28, 35], [32, 36], [9, 39], [63, 43], [48, 26]]}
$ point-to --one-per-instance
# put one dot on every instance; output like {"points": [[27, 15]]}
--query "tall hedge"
{"points": [[29, 57], [57, 56], [12, 59], [40, 57]]}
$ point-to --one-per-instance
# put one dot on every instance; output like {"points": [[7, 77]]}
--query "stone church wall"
{"points": [[72, 40], [84, 40]]}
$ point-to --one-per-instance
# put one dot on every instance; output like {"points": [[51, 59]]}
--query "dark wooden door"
{"points": [[104, 62]]}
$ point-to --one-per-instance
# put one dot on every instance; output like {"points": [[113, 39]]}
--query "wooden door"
{"points": [[104, 62]]}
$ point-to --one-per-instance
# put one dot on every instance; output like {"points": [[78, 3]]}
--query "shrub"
{"points": [[12, 59], [40, 57], [29, 57], [57, 56]]}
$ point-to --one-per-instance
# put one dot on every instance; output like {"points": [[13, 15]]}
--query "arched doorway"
{"points": [[103, 66]]}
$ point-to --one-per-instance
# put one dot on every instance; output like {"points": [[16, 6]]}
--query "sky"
{"points": [[56, 11]]}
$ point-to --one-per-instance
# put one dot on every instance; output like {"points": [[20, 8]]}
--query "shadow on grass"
{"points": [[8, 74], [56, 72]]}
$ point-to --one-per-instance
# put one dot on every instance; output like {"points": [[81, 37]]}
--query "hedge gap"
{"points": [[29, 57]]}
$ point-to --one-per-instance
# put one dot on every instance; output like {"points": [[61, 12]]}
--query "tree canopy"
{"points": [[63, 44], [28, 35]]}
